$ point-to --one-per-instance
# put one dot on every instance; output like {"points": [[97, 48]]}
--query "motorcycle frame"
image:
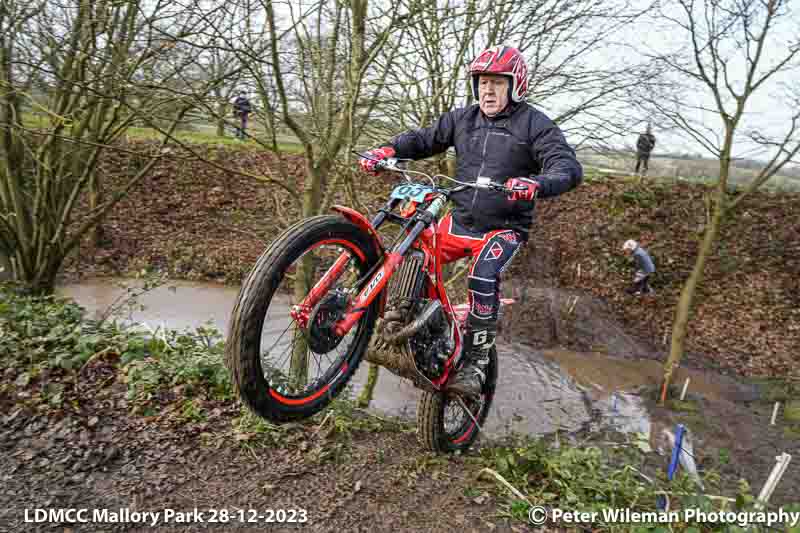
{"points": [[421, 228]]}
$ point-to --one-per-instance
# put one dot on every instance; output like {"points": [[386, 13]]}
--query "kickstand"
{"points": [[464, 406]]}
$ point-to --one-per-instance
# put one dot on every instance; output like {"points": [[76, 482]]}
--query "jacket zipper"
{"points": [[483, 162]]}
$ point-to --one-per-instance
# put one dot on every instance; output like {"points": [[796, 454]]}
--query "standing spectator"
{"points": [[241, 110], [644, 146], [644, 268]]}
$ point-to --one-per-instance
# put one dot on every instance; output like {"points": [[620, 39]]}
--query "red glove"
{"points": [[524, 188], [378, 154]]}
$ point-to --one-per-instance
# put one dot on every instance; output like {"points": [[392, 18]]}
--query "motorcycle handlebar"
{"points": [[392, 163]]}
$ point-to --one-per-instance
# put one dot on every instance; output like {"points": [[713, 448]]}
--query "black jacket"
{"points": [[645, 143], [518, 142], [241, 106]]}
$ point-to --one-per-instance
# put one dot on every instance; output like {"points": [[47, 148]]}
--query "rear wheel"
{"points": [[285, 367], [443, 425]]}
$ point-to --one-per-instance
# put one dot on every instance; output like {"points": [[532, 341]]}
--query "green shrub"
{"points": [[51, 333]]}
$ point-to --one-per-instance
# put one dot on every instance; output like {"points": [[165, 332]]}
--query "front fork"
{"points": [[379, 280], [301, 311]]}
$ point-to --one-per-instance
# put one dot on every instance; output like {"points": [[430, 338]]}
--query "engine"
{"points": [[414, 325], [431, 343]]}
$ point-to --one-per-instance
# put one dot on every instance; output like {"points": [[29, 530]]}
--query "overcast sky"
{"points": [[767, 111]]}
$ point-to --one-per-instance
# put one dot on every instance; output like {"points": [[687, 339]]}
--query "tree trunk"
{"points": [[7, 273], [686, 301], [365, 397], [298, 376], [43, 282], [305, 273], [221, 119], [95, 197]]}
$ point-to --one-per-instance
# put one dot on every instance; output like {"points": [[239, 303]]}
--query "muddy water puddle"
{"points": [[538, 391], [178, 305]]}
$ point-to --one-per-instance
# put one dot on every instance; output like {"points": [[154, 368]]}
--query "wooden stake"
{"points": [[774, 413], [773, 479], [685, 386], [572, 307]]}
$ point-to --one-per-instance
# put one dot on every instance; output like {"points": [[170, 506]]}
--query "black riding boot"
{"points": [[471, 377]]}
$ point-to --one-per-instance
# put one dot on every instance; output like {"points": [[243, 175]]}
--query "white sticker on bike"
{"points": [[479, 338], [372, 285]]}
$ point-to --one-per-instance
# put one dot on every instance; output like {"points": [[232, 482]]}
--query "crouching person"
{"points": [[644, 268]]}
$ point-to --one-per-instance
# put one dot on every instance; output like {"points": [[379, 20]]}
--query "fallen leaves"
{"points": [[750, 293]]}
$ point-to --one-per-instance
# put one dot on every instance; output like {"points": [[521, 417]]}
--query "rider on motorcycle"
{"points": [[503, 138]]}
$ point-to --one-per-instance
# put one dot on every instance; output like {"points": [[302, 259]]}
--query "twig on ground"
{"points": [[322, 424], [505, 483]]}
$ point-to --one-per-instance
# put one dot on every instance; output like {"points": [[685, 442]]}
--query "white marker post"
{"points": [[572, 307], [773, 479], [685, 386], [774, 413]]}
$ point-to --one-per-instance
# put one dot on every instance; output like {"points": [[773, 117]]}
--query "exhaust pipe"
{"points": [[415, 325]]}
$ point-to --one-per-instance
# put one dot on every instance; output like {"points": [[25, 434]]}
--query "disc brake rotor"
{"points": [[322, 337]]}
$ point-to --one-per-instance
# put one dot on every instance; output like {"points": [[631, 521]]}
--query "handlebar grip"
{"points": [[507, 190]]}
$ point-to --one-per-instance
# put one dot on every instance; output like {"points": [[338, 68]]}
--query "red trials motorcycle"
{"points": [[327, 290]]}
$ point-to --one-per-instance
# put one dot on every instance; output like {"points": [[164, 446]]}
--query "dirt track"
{"points": [[363, 475]]}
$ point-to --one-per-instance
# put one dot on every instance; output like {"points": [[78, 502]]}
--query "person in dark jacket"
{"points": [[644, 268], [242, 110], [644, 146], [505, 139]]}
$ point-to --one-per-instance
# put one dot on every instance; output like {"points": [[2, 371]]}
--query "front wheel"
{"points": [[288, 368], [443, 425]]}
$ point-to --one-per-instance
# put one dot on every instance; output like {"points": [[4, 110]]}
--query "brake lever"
{"points": [[364, 155]]}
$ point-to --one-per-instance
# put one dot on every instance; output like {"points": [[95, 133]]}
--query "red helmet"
{"points": [[503, 60]]}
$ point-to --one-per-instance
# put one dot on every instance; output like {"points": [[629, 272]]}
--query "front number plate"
{"points": [[415, 193]]}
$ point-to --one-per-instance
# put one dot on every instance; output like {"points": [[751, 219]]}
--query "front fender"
{"points": [[362, 222]]}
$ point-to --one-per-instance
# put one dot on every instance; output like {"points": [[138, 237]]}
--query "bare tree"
{"points": [[74, 76], [218, 51], [736, 49], [561, 43], [311, 64]]}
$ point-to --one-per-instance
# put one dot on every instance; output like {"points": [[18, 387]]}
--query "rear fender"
{"points": [[362, 222]]}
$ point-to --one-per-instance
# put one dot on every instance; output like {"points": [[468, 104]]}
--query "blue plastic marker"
{"points": [[676, 451], [674, 463]]}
